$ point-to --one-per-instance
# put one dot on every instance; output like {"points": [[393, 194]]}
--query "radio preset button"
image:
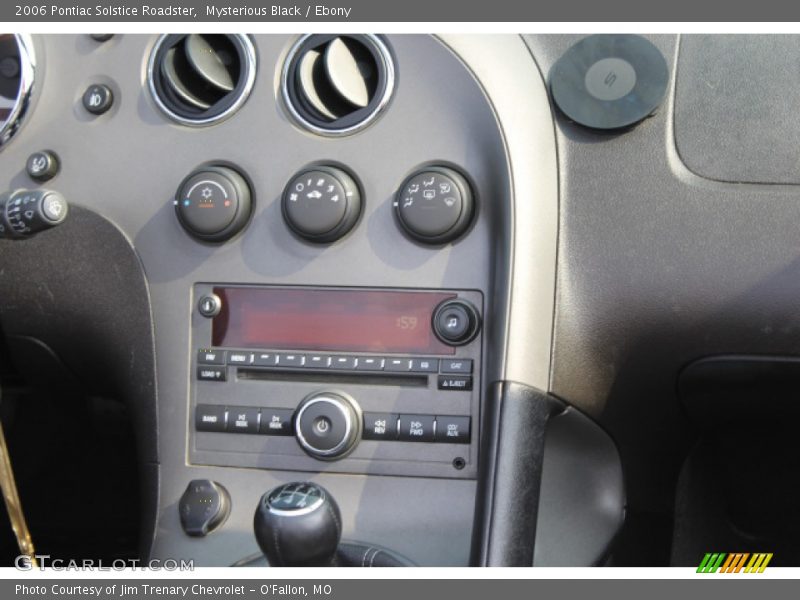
{"points": [[425, 365], [452, 430], [344, 362], [380, 426], [318, 361], [290, 360], [209, 418], [265, 359], [398, 365], [212, 373], [240, 358], [456, 383], [242, 419], [276, 421], [457, 365], [210, 357], [416, 428], [369, 363]]}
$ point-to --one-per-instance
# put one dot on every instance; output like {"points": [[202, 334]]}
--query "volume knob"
{"points": [[328, 425]]}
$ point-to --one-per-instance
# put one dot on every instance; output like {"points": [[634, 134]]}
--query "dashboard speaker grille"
{"points": [[200, 79], [338, 84]]}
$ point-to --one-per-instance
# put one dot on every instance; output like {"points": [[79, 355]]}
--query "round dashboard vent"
{"points": [[201, 79], [337, 84], [17, 68]]}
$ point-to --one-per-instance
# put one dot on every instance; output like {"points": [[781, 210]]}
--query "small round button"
{"points": [[327, 425], [213, 203], [101, 37], [209, 305], [54, 208], [98, 98], [434, 206], [455, 322], [42, 166], [321, 204]]}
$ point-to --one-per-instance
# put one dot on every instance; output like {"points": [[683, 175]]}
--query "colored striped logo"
{"points": [[735, 562]]}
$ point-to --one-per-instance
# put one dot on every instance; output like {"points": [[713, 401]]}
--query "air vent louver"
{"points": [[337, 84], [201, 79]]}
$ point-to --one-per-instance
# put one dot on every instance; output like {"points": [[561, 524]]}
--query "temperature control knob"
{"points": [[328, 425], [213, 203], [435, 206], [321, 204]]}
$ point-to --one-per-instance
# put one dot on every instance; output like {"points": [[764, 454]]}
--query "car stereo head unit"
{"points": [[354, 380]]}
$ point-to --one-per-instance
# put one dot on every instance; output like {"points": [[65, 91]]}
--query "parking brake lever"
{"points": [[27, 212]]}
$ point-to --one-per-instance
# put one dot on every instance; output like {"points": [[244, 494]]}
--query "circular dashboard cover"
{"points": [[609, 81]]}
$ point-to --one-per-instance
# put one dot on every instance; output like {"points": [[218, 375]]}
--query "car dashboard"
{"points": [[413, 271]]}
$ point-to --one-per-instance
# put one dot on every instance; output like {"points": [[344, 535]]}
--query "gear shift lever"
{"points": [[298, 525]]}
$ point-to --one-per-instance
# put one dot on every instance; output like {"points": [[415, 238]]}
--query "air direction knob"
{"points": [[435, 205], [321, 204]]}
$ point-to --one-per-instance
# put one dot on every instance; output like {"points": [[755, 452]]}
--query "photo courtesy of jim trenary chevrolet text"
{"points": [[473, 298]]}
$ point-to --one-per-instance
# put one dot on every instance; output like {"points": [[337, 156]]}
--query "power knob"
{"points": [[213, 203], [321, 204], [328, 425]]}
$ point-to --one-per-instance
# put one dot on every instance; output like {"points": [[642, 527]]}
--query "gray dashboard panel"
{"points": [[127, 163], [705, 267], [736, 107]]}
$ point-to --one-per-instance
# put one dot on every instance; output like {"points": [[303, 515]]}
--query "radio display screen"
{"points": [[329, 320]]}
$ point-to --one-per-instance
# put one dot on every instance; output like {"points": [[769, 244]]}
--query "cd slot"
{"points": [[389, 379]]}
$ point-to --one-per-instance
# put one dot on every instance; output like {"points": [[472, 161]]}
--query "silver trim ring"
{"points": [[249, 52], [388, 65], [340, 404], [27, 75]]}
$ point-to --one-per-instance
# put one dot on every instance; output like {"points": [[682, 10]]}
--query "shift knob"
{"points": [[298, 525]]}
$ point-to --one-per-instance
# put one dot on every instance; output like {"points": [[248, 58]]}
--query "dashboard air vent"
{"points": [[201, 79], [337, 84], [17, 68]]}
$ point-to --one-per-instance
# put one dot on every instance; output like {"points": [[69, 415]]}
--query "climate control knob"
{"points": [[213, 203], [435, 205], [321, 204], [328, 425]]}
